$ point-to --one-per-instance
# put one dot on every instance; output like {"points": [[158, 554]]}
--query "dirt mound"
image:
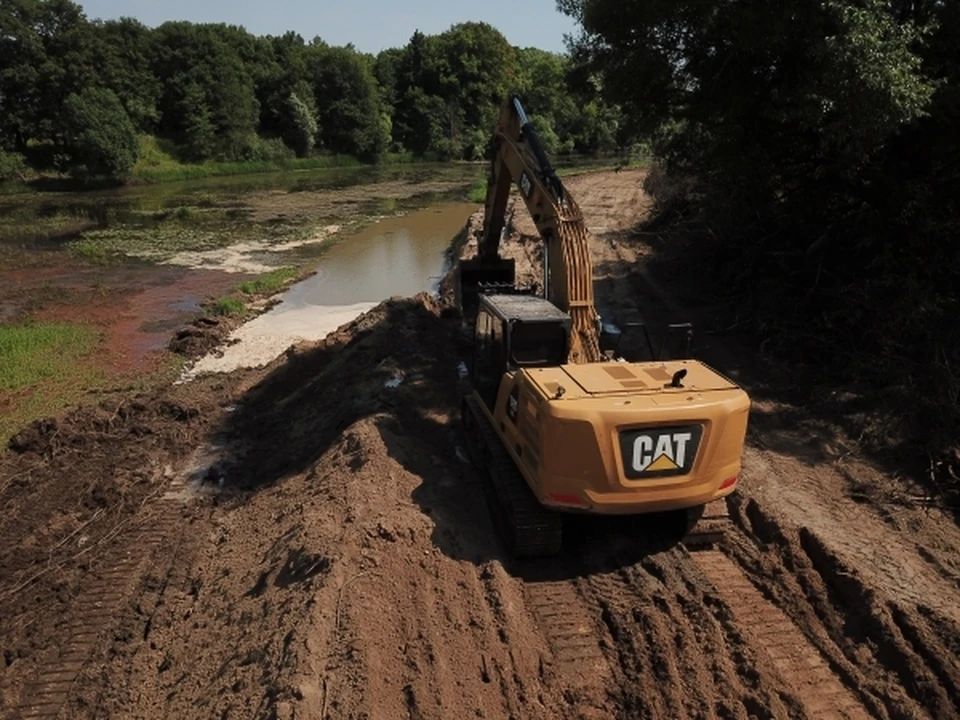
{"points": [[70, 484], [400, 349], [345, 454], [202, 336]]}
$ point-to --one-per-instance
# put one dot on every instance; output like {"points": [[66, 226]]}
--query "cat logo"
{"points": [[660, 452]]}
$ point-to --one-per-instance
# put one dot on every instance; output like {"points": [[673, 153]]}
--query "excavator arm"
{"points": [[518, 157]]}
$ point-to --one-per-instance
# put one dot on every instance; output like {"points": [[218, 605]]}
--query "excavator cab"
{"points": [[514, 331]]}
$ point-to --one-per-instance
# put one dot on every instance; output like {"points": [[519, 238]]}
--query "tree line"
{"points": [[76, 94], [814, 146]]}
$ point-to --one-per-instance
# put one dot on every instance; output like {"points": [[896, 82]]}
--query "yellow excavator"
{"points": [[557, 423]]}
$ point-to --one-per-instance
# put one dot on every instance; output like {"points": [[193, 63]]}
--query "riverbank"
{"points": [[157, 163], [157, 166], [114, 292]]}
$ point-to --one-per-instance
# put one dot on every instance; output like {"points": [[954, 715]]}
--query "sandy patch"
{"points": [[241, 257], [267, 336]]}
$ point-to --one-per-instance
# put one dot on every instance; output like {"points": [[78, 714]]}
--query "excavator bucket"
{"points": [[475, 277]]}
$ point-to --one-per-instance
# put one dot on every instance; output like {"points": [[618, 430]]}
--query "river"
{"points": [[397, 256]]}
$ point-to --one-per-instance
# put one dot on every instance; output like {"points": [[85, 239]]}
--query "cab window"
{"points": [[538, 344]]}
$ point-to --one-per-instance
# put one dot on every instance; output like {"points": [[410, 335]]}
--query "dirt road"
{"points": [[306, 541]]}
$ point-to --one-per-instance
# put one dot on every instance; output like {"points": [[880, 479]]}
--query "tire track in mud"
{"points": [[673, 649], [900, 660], [569, 629], [649, 638], [48, 694], [821, 692]]}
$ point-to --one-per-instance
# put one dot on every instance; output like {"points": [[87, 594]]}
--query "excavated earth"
{"points": [[307, 541]]}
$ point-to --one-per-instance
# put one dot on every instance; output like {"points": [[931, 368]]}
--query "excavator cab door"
{"points": [[488, 357]]}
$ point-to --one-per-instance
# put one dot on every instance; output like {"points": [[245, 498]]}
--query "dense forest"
{"points": [[77, 95], [813, 146]]}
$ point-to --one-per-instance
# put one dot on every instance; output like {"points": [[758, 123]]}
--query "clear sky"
{"points": [[371, 25]]}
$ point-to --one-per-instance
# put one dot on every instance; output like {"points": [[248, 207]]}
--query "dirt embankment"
{"points": [[326, 552]]}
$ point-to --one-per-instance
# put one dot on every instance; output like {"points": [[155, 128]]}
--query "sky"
{"points": [[371, 25]]}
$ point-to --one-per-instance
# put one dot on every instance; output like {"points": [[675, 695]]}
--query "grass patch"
{"points": [[35, 353], [48, 368], [478, 192], [270, 282], [228, 305], [157, 163]]}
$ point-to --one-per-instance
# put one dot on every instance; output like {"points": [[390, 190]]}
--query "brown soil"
{"points": [[304, 541], [138, 308]]}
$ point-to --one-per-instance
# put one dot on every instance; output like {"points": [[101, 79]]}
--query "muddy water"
{"points": [[396, 256]]}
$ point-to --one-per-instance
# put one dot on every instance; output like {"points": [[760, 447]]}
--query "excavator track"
{"points": [[706, 525], [527, 528]]}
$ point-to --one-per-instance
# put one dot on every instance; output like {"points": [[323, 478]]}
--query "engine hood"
{"points": [[618, 378]]}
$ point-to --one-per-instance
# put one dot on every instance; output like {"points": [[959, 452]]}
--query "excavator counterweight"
{"points": [[554, 425]]}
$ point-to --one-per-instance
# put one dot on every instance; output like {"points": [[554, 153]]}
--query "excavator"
{"points": [[556, 421]]}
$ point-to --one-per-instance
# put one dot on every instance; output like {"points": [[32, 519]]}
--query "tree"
{"points": [[302, 133], [819, 140], [121, 53], [209, 102], [770, 103], [350, 113], [450, 86], [45, 55], [98, 133]]}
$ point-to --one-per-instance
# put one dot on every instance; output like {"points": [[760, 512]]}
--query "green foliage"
{"points": [[302, 134], [228, 305], [450, 86], [817, 142], [12, 165], [215, 93], [209, 102], [478, 192], [122, 57], [45, 56], [34, 353], [349, 106], [270, 282], [98, 134]]}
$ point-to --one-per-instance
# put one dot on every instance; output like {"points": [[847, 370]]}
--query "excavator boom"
{"points": [[519, 158]]}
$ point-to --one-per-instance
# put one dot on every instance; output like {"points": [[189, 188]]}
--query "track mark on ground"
{"points": [[47, 695], [569, 629], [799, 663]]}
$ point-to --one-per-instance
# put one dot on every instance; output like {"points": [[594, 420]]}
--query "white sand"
{"points": [[238, 258], [267, 336]]}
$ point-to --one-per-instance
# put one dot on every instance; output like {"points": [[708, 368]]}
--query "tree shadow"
{"points": [[289, 419], [800, 408]]}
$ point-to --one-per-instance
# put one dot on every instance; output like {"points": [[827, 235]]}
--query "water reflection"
{"points": [[396, 256]]}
